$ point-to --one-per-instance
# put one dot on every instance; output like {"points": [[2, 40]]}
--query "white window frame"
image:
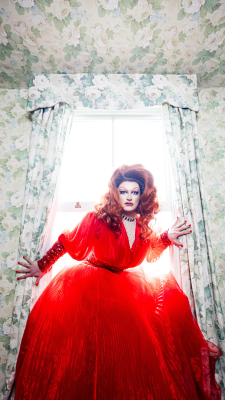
{"points": [[153, 114]]}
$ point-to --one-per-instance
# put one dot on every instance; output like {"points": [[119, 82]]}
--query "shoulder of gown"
{"points": [[79, 241]]}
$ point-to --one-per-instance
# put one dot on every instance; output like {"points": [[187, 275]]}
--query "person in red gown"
{"points": [[103, 328]]}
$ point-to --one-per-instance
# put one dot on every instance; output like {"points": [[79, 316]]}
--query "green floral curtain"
{"points": [[199, 279], [49, 130]]}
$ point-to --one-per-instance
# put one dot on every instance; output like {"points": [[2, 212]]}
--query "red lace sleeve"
{"points": [[157, 246], [164, 238], [52, 255]]}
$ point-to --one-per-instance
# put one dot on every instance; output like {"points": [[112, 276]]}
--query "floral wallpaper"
{"points": [[211, 160], [15, 130], [95, 36]]}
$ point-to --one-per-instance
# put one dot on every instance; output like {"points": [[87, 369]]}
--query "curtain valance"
{"points": [[113, 91]]}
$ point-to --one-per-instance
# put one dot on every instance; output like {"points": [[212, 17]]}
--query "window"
{"points": [[100, 141]]}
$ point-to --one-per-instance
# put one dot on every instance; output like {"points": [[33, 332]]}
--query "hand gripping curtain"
{"points": [[199, 280], [49, 131]]}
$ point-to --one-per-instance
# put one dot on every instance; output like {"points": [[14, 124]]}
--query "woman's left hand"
{"points": [[178, 229]]}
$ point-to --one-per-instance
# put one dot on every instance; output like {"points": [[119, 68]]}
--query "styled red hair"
{"points": [[110, 210]]}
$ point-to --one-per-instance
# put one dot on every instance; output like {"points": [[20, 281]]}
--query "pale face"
{"points": [[129, 194]]}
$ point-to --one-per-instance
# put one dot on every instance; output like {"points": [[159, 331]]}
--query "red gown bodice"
{"points": [[93, 239]]}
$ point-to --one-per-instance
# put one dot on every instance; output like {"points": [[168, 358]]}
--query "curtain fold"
{"points": [[46, 245], [175, 264], [49, 131], [199, 281]]}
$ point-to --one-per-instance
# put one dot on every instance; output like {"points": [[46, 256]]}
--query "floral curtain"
{"points": [[199, 279], [49, 130], [15, 130]]}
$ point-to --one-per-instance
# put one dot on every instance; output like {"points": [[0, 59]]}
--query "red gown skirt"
{"points": [[95, 334]]}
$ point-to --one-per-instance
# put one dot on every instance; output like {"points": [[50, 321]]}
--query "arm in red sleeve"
{"points": [[79, 242], [52, 255], [157, 245]]}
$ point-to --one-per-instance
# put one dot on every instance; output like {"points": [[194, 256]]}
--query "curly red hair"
{"points": [[110, 210]]}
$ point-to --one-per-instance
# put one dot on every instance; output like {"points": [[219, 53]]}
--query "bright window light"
{"points": [[140, 141], [87, 163], [96, 147]]}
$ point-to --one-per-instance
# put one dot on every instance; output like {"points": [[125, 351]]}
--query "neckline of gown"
{"points": [[127, 239]]}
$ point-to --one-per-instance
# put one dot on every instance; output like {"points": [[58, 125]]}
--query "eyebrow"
{"points": [[122, 188]]}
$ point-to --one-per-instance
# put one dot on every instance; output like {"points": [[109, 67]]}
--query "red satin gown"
{"points": [[103, 330]]}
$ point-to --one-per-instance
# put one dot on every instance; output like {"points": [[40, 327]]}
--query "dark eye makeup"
{"points": [[124, 191]]}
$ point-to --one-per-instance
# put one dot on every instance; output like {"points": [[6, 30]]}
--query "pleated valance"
{"points": [[113, 91]]}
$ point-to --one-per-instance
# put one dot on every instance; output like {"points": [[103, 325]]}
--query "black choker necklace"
{"points": [[128, 218]]}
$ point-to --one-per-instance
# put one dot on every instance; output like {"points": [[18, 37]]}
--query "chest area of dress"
{"points": [[125, 249]]}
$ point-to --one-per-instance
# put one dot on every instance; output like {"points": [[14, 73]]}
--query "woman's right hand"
{"points": [[32, 270]]}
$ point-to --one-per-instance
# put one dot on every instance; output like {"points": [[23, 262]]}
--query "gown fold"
{"points": [[105, 329]]}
